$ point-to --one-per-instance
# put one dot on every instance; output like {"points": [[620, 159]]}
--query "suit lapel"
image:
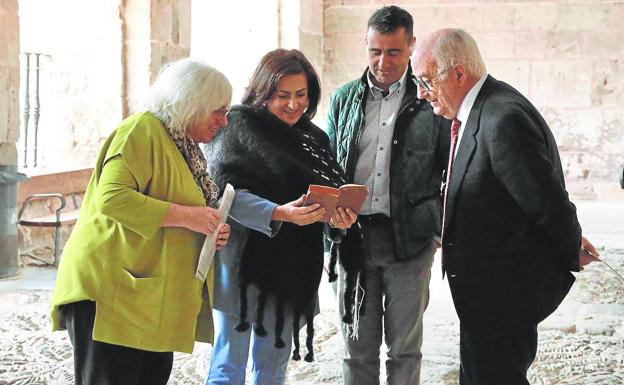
{"points": [[466, 149]]}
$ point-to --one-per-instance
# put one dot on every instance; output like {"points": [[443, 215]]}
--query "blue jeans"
{"points": [[228, 360]]}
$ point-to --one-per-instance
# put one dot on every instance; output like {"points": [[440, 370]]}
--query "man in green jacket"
{"points": [[389, 140]]}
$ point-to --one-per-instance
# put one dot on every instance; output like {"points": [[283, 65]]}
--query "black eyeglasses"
{"points": [[428, 85]]}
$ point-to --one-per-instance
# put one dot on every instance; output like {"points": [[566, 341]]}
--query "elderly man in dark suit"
{"points": [[510, 234]]}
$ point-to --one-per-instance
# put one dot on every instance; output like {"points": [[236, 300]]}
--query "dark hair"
{"points": [[390, 18], [272, 67]]}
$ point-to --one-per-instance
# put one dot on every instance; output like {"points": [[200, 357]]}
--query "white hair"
{"points": [[186, 90], [456, 46]]}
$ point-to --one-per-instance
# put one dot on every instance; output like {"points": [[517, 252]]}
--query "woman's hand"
{"points": [[223, 236], [205, 220], [295, 212], [201, 219], [343, 218]]}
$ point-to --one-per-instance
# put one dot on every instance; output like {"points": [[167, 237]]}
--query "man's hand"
{"points": [[587, 253], [298, 214], [343, 218], [437, 242]]}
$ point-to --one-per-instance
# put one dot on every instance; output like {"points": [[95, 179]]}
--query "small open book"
{"points": [[346, 196]]}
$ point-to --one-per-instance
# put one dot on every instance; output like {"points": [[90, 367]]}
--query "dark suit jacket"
{"points": [[511, 235]]}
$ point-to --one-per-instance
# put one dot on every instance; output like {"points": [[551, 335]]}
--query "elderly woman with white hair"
{"points": [[125, 288]]}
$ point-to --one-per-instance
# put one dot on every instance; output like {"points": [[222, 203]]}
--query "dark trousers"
{"points": [[496, 360], [99, 363]]}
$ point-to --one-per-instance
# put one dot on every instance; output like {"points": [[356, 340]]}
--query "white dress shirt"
{"points": [[466, 107]]}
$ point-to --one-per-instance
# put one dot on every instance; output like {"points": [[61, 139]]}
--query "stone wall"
{"points": [[80, 78], [311, 40], [155, 32], [9, 133], [566, 57], [263, 26], [233, 40], [9, 81], [96, 66]]}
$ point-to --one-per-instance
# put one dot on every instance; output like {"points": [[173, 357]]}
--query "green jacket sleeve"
{"points": [[119, 198]]}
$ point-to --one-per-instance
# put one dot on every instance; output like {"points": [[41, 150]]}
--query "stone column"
{"points": [[155, 32], [9, 133], [311, 41], [9, 76]]}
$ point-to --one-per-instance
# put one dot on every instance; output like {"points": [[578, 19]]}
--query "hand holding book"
{"points": [[348, 196], [343, 218], [295, 212]]}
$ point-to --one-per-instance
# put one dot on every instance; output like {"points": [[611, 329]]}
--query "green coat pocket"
{"points": [[138, 301]]}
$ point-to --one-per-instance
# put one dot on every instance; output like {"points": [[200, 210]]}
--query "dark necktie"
{"points": [[454, 132]]}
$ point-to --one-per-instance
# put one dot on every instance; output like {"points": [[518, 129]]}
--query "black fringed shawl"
{"points": [[260, 153]]}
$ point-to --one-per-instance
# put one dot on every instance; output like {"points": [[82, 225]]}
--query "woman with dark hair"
{"points": [[272, 150]]}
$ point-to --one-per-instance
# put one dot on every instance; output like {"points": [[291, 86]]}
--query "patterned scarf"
{"points": [[197, 165]]}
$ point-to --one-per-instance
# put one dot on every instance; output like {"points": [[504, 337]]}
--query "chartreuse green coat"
{"points": [[140, 275]]}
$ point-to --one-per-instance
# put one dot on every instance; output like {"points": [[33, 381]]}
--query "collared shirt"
{"points": [[465, 107], [373, 165]]}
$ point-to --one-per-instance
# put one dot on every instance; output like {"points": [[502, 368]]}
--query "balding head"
{"points": [[448, 47], [424, 48]]}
